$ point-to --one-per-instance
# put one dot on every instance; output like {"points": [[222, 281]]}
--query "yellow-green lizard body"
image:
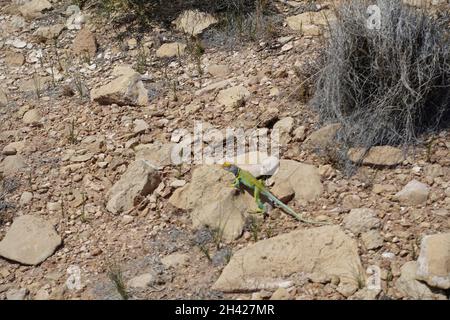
{"points": [[245, 178]]}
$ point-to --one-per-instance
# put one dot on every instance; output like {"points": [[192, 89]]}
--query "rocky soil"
{"points": [[92, 207]]}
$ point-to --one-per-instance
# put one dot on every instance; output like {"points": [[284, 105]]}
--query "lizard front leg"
{"points": [[257, 195], [236, 183]]}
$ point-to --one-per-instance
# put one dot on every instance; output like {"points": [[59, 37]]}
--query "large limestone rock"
{"points": [[140, 179], [269, 263], [409, 286], [76, 19], [284, 128], [45, 33], [34, 8], [85, 44], [414, 193], [194, 22], [433, 264], [125, 89], [158, 154], [322, 138], [231, 96], [361, 220], [171, 50], [14, 59], [297, 179], [436, 170], [30, 240], [16, 294], [213, 202], [12, 164], [32, 116], [372, 239], [219, 70], [377, 156], [214, 86]]}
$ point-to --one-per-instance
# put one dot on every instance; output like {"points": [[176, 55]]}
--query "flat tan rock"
{"points": [[269, 263], [126, 89], [409, 286], [297, 179], [30, 240], [414, 193], [12, 164], [194, 22], [14, 59], [322, 138], [171, 50], [45, 33], [34, 8], [212, 202], [231, 96], [219, 70], [377, 156], [140, 179], [433, 264], [85, 43]]}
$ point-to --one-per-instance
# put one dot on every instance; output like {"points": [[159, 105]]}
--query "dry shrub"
{"points": [[385, 86], [166, 11]]}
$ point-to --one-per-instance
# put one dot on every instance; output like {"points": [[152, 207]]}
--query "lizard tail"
{"points": [[289, 211]]}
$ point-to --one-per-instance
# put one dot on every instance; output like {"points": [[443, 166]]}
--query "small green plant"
{"points": [[37, 85], [58, 57], [228, 256], [83, 216], [197, 50], [174, 91], [218, 236], [73, 135], [389, 278], [79, 85], [52, 72], [255, 227], [85, 57], [269, 232], [62, 206], [357, 275], [429, 146], [30, 177], [116, 277], [141, 60], [204, 249]]}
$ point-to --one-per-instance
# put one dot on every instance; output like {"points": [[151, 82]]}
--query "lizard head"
{"points": [[231, 168]]}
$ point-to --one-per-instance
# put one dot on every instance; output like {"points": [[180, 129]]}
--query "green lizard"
{"points": [[259, 189]]}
